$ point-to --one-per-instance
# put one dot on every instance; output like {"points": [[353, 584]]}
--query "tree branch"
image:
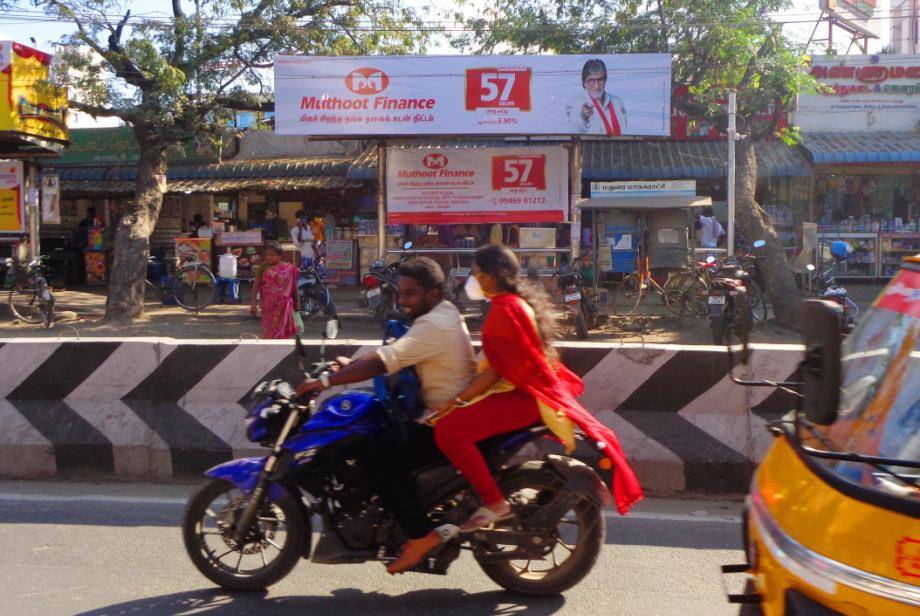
{"points": [[109, 112], [179, 19]]}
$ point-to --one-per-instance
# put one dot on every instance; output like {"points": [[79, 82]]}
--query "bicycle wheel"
{"points": [[674, 288], [195, 287], [25, 304], [758, 301], [694, 299]]}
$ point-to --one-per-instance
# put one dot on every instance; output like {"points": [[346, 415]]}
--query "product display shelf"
{"points": [[894, 247], [864, 260]]}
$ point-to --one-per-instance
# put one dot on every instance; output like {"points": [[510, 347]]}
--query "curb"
{"points": [[163, 408]]}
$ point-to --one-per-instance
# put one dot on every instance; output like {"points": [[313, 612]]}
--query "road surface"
{"points": [[85, 548]]}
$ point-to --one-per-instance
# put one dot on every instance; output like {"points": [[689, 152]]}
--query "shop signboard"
{"points": [[340, 254], [30, 103], [627, 94], [628, 190], [12, 214], [479, 185], [51, 199], [862, 93]]}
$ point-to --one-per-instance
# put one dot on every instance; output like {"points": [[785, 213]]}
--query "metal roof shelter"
{"points": [[861, 148]]}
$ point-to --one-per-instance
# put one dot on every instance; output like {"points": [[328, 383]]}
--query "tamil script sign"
{"points": [[483, 185], [473, 95], [625, 190], [863, 93], [12, 216]]}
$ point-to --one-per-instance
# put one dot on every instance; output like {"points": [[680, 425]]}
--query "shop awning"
{"points": [[210, 185], [847, 148], [674, 160], [642, 203], [278, 174]]}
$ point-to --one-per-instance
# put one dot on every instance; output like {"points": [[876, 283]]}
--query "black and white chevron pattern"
{"points": [[168, 408]]}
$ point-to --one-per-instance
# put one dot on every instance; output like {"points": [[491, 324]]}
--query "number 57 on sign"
{"points": [[498, 88], [520, 171]]}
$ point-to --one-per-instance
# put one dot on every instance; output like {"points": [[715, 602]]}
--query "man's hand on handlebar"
{"points": [[308, 386]]}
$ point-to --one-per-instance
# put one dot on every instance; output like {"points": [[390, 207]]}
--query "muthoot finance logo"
{"points": [[435, 161], [367, 81]]}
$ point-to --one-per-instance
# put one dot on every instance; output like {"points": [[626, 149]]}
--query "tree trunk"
{"points": [[132, 235], [756, 225]]}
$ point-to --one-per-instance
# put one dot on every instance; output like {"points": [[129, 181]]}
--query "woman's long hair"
{"points": [[499, 262]]}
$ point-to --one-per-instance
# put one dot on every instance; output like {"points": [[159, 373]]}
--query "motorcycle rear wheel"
{"points": [[206, 524], [534, 483], [581, 326]]}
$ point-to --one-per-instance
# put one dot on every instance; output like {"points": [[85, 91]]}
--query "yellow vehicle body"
{"points": [[807, 537], [832, 524]]}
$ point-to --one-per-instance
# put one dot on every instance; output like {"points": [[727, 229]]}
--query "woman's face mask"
{"points": [[473, 290]]}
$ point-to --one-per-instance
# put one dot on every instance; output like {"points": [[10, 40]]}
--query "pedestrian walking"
{"points": [[276, 287]]}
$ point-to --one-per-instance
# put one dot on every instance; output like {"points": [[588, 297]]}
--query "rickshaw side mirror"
{"points": [[821, 367]]}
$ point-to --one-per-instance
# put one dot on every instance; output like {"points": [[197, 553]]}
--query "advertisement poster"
{"points": [[192, 250], [12, 214], [627, 94], [340, 254], [51, 199], [95, 268], [482, 185], [862, 93]]}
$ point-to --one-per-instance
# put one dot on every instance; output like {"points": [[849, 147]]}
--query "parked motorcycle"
{"points": [[826, 288], [250, 524], [315, 296], [380, 292], [580, 305], [730, 313]]}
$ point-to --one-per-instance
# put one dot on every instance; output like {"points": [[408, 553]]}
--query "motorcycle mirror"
{"points": [[407, 245], [760, 243], [710, 259], [332, 329], [821, 367]]}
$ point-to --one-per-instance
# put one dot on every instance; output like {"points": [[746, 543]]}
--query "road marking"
{"points": [[153, 500]]}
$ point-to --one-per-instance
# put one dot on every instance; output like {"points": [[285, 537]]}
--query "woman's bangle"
{"points": [[460, 401]]}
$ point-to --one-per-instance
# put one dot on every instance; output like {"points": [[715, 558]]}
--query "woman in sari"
{"points": [[276, 285], [520, 383]]}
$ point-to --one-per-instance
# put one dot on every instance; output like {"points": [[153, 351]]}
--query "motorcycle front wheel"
{"points": [[272, 548], [579, 536]]}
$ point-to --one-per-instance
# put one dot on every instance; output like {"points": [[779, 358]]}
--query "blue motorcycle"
{"points": [[249, 525]]}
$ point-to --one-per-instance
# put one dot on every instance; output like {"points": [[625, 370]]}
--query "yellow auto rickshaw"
{"points": [[832, 523]]}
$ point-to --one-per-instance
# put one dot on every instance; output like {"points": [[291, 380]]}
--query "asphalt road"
{"points": [[115, 549]]}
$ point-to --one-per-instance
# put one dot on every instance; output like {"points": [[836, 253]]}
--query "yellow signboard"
{"points": [[30, 104], [12, 217]]}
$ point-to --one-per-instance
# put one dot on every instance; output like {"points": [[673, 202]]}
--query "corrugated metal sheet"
{"points": [[211, 185], [843, 148], [313, 167], [633, 160], [626, 160]]}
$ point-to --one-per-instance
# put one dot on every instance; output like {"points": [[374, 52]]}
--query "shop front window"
{"points": [[871, 202]]}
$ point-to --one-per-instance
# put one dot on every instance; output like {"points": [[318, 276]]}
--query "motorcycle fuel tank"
{"points": [[345, 409]]}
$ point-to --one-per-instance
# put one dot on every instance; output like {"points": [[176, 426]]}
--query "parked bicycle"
{"points": [[30, 297], [192, 284], [636, 286]]}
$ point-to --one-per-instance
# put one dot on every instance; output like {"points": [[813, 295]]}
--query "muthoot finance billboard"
{"points": [[476, 95]]}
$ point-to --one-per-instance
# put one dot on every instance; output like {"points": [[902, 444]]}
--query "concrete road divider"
{"points": [[164, 408]]}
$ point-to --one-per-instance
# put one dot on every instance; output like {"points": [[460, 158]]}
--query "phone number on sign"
{"points": [[519, 201]]}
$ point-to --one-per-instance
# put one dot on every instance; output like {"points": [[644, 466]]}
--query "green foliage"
{"points": [[183, 73], [716, 45]]}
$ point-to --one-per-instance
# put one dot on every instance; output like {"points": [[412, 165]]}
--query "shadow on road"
{"points": [[352, 601]]}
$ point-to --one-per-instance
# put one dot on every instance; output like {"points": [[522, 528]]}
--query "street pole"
{"points": [[34, 211], [730, 197], [574, 195], [381, 200]]}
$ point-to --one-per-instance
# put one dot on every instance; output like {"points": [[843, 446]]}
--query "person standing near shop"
{"points": [[711, 230], [276, 289], [302, 236], [81, 242]]}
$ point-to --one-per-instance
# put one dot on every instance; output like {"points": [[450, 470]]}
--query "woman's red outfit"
{"points": [[512, 345]]}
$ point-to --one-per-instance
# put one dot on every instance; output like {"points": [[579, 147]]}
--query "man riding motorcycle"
{"points": [[438, 346]]}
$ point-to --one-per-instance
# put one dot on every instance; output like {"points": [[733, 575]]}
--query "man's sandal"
{"points": [[483, 517]]}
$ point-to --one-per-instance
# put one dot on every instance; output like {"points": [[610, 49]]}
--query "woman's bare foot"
{"points": [[486, 515]]}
